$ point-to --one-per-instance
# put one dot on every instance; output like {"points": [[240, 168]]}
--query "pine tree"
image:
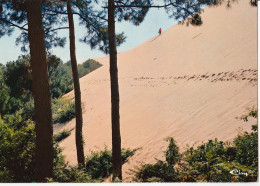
{"points": [[41, 93], [79, 119], [38, 30], [116, 137]]}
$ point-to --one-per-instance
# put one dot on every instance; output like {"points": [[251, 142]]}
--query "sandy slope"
{"points": [[190, 83]]}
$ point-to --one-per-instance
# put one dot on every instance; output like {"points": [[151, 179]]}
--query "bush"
{"points": [[162, 171], [17, 76], [17, 149], [213, 161], [60, 77], [65, 173], [99, 164], [87, 67], [207, 162], [17, 154], [61, 135], [172, 153], [247, 148], [159, 172], [62, 110]]}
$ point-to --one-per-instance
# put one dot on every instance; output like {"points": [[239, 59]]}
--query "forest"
{"points": [[33, 86]]}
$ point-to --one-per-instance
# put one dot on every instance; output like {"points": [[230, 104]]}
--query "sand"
{"points": [[190, 83]]}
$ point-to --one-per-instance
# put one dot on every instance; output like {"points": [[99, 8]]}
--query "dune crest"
{"points": [[189, 83]]}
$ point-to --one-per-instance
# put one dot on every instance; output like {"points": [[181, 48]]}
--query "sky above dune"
{"points": [[155, 19]]}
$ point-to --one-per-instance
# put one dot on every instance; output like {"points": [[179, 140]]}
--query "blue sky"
{"points": [[136, 35]]}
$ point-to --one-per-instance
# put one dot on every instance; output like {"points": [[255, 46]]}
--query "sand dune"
{"points": [[189, 83]]}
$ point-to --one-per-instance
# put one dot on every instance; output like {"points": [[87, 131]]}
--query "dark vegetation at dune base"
{"points": [[61, 135], [16, 87], [213, 161], [17, 156], [62, 110], [99, 164]]}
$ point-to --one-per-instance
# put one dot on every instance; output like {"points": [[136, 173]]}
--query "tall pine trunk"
{"points": [[116, 138], [41, 93], [79, 120]]}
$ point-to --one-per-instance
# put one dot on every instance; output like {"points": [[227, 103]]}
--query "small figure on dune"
{"points": [[160, 31]]}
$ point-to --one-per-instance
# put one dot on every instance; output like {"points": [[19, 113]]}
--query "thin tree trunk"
{"points": [[79, 120], [116, 138], [41, 93]]}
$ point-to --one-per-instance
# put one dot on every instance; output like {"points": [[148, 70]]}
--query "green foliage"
{"points": [[65, 173], [246, 144], [60, 74], [60, 77], [99, 164], [87, 67], [17, 154], [72, 175], [27, 110], [12, 94], [206, 162], [62, 110], [16, 85], [251, 112], [8, 104], [17, 148], [213, 161], [172, 153], [18, 77], [158, 172], [247, 148], [162, 171], [61, 135]]}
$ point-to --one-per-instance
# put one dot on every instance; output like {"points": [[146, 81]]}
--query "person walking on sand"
{"points": [[160, 31]]}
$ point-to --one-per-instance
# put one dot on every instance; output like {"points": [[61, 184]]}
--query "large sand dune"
{"points": [[189, 83]]}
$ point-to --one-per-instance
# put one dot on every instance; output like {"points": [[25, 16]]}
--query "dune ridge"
{"points": [[190, 83]]}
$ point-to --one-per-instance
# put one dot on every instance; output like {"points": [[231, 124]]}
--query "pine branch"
{"points": [[150, 6], [15, 25], [60, 28]]}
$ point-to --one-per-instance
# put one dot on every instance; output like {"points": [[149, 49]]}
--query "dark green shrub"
{"points": [[207, 152], [247, 148], [99, 164], [70, 174], [62, 110], [27, 111], [61, 135], [16, 75], [213, 162], [17, 154], [206, 162], [251, 112], [8, 104], [60, 77], [87, 67], [17, 148], [160, 171], [172, 153]]}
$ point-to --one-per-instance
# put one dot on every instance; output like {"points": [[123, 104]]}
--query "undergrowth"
{"points": [[213, 161]]}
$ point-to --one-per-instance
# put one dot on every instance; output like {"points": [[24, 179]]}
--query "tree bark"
{"points": [[79, 120], [116, 138], [41, 93]]}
